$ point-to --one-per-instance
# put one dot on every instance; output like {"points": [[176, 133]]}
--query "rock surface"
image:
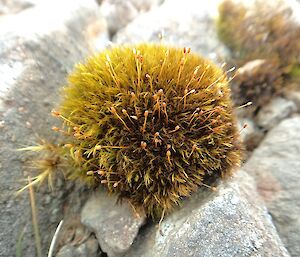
{"points": [[114, 224], [40, 41], [15, 6], [119, 13], [293, 95], [182, 23], [274, 112], [251, 135], [275, 164], [90, 248], [231, 222], [36, 53]]}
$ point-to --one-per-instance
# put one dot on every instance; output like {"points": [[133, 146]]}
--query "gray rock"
{"points": [[183, 23], [275, 164], [15, 6], [119, 13], [230, 222], [275, 111], [67, 251], [38, 47], [90, 248], [115, 225], [9, 7], [251, 135], [293, 96]]}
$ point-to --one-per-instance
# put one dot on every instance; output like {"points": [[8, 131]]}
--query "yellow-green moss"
{"points": [[149, 122], [295, 71]]}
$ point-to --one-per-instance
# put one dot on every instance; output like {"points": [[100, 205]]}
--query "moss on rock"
{"points": [[149, 122]]}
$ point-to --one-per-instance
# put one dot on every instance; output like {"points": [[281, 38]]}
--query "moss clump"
{"points": [[262, 30], [229, 15], [150, 123], [265, 30], [256, 78]]}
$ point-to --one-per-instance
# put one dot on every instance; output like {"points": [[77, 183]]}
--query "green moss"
{"points": [[151, 123], [295, 71]]}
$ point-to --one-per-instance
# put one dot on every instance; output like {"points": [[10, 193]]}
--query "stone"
{"points": [[38, 47], [72, 232], [74, 238], [89, 248], [114, 224], [187, 23], [251, 135], [10, 7], [230, 222], [275, 165], [119, 13], [294, 96], [275, 111], [92, 247], [67, 251], [14, 6]]}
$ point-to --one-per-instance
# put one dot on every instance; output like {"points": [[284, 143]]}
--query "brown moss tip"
{"points": [[149, 122]]}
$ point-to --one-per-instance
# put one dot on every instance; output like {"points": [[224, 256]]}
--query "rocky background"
{"points": [[256, 213]]}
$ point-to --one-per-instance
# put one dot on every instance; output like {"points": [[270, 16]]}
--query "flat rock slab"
{"points": [[231, 222], [115, 224], [275, 165]]}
